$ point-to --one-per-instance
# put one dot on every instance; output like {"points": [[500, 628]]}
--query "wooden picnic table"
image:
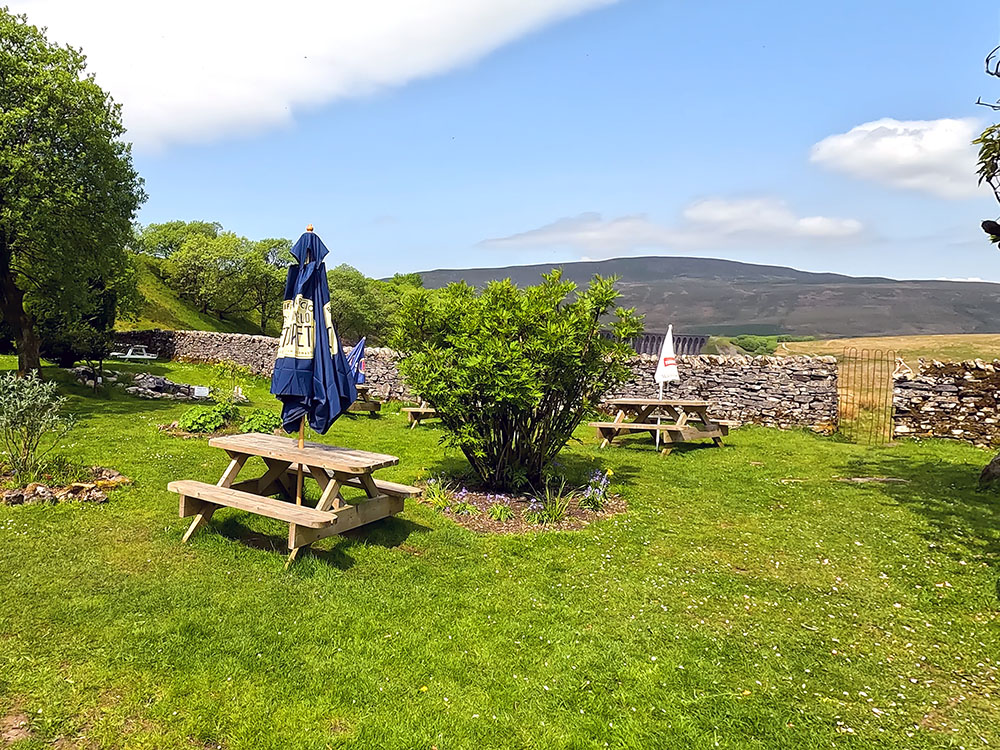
{"points": [[365, 402], [331, 467], [680, 420], [416, 414]]}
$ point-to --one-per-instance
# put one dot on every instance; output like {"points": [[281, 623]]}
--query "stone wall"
{"points": [[785, 391], [776, 391], [257, 353], [956, 400]]}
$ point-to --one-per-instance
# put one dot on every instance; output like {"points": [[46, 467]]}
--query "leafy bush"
{"points": [[260, 420], [207, 418], [464, 508], [436, 492], [512, 372], [595, 494], [227, 376], [32, 421], [500, 512], [756, 344]]}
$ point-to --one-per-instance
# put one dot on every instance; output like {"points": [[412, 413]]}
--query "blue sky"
{"points": [[485, 132]]}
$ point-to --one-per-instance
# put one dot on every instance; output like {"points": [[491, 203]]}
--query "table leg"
{"points": [[228, 476], [611, 435]]}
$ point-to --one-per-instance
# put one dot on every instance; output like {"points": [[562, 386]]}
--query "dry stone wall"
{"points": [[959, 400], [785, 391], [775, 391]]}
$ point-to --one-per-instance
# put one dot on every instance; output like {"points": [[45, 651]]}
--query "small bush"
{"points": [[260, 420], [436, 492], [595, 494], [32, 422], [500, 512], [464, 508], [555, 503], [206, 418], [512, 372]]}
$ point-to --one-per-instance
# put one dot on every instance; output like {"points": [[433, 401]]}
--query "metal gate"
{"points": [[864, 395]]}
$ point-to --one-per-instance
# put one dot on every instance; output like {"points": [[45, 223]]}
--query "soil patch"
{"points": [[13, 728], [480, 521]]}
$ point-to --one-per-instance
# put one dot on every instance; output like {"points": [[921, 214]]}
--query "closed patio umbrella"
{"points": [[311, 376]]}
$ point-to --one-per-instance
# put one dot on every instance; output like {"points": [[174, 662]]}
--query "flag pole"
{"points": [[302, 432]]}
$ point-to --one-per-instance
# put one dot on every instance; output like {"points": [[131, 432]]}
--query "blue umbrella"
{"points": [[356, 359], [311, 375]]}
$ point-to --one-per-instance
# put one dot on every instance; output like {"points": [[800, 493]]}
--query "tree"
{"points": [[362, 306], [163, 240], [266, 271], [212, 272], [512, 372], [68, 190]]}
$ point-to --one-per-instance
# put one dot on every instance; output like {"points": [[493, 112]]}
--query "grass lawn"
{"points": [[747, 599]]}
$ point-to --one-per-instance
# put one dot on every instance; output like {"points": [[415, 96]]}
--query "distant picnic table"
{"points": [[681, 421], [331, 467], [366, 401]]}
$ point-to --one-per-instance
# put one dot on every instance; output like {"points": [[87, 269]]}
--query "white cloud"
{"points": [[194, 70], [931, 156], [710, 222]]}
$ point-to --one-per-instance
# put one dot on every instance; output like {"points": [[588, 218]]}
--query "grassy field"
{"points": [[945, 348], [749, 598]]}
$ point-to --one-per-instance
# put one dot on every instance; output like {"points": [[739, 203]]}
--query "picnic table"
{"points": [[416, 414], [365, 402], [332, 468], [681, 421]]}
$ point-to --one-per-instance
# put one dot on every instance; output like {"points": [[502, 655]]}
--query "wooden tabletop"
{"points": [[654, 402], [313, 454]]}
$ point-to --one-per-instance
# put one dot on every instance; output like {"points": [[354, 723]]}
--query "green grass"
{"points": [[947, 348], [162, 308], [747, 599]]}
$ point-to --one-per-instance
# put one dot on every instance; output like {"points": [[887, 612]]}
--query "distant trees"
{"points": [[68, 190], [227, 275]]}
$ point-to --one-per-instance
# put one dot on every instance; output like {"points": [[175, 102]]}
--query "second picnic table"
{"points": [[331, 467], [681, 421]]}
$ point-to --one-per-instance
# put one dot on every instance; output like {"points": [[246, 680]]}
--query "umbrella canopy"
{"points": [[311, 376], [356, 359], [666, 368]]}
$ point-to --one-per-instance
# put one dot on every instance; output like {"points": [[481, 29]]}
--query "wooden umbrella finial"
{"points": [[309, 227]]}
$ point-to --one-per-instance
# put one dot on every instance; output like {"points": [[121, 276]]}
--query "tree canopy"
{"points": [[68, 189]]}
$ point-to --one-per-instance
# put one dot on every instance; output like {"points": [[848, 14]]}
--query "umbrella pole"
{"points": [[658, 420], [298, 477]]}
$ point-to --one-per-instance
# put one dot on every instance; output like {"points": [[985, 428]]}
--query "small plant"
{"points": [[206, 418], [32, 422], [436, 493], [500, 512], [595, 494], [555, 504], [534, 513], [464, 508], [260, 420], [228, 381]]}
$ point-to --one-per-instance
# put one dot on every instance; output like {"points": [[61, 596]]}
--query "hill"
{"points": [[162, 308], [706, 295]]}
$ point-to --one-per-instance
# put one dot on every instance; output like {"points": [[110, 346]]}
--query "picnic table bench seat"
{"points": [[195, 494], [392, 489], [416, 414]]}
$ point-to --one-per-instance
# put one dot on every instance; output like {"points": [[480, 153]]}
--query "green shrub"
{"points": [[595, 494], [207, 418], [464, 508], [555, 503], [437, 493], [32, 422], [756, 345], [260, 420], [500, 512], [512, 372]]}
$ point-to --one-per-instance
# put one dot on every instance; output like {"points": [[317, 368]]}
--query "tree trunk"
{"points": [[23, 325]]}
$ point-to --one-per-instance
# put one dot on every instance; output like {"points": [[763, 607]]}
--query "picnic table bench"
{"points": [[332, 468], [680, 421], [365, 401], [416, 414]]}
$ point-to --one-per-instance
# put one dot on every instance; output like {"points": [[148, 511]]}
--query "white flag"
{"points": [[666, 368]]}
